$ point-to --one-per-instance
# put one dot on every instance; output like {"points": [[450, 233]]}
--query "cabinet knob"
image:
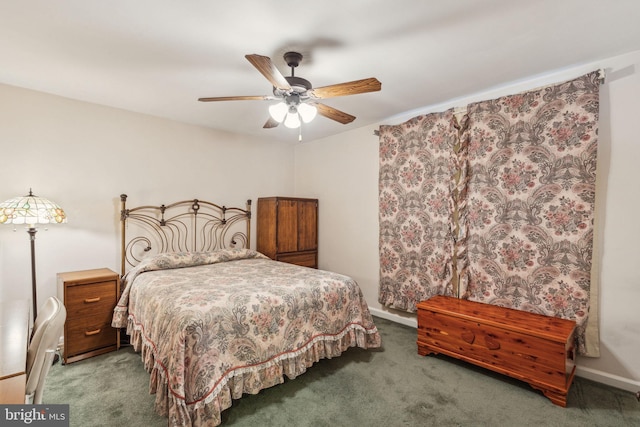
{"points": [[90, 300], [95, 332]]}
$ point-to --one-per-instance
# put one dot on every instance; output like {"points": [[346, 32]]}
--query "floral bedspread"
{"points": [[212, 326]]}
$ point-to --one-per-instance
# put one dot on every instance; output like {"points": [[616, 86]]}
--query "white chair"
{"points": [[47, 330]]}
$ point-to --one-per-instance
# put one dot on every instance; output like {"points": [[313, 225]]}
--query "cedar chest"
{"points": [[530, 347]]}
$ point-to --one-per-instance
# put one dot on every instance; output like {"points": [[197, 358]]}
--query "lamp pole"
{"points": [[32, 237]]}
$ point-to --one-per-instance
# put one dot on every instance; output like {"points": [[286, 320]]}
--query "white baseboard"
{"points": [[588, 373], [408, 320], [608, 379]]}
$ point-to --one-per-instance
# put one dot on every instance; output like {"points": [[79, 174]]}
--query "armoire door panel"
{"points": [[287, 226], [307, 225]]}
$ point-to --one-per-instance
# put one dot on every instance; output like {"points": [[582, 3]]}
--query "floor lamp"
{"points": [[31, 211]]}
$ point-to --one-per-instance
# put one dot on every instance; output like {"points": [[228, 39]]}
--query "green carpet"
{"points": [[392, 386]]}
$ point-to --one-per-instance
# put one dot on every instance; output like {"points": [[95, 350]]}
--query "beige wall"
{"points": [[83, 156], [342, 172]]}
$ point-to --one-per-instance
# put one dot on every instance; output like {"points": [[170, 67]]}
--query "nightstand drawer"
{"points": [[90, 334], [87, 300]]}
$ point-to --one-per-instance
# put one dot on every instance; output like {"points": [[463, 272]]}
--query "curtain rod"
{"points": [[458, 110]]}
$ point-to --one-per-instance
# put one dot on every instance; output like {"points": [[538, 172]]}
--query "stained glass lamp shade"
{"points": [[31, 211]]}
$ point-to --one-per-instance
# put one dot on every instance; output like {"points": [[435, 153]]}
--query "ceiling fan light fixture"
{"points": [[307, 112], [278, 111], [293, 120]]}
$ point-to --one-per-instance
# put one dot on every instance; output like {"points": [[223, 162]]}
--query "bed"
{"points": [[213, 319]]}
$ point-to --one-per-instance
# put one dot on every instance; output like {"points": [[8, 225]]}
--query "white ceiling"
{"points": [[159, 56]]}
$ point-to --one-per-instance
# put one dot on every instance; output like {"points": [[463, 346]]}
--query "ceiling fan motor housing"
{"points": [[298, 85]]}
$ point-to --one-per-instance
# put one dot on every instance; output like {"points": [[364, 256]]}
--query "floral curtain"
{"points": [[530, 200], [417, 165], [496, 207]]}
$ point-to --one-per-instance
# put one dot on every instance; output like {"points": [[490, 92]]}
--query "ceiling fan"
{"points": [[298, 98]]}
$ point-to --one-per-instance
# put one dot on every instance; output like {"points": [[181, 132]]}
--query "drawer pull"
{"points": [[89, 333], [90, 300]]}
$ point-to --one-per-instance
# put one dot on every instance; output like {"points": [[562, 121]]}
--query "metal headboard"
{"points": [[186, 226]]}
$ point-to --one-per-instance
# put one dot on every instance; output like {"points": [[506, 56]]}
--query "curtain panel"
{"points": [[417, 168], [531, 199], [520, 198]]}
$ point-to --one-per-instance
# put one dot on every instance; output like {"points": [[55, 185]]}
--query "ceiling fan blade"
{"points": [[271, 123], [350, 88], [334, 114], [238, 98], [266, 67]]}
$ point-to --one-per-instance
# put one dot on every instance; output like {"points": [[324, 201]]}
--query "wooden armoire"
{"points": [[287, 230]]}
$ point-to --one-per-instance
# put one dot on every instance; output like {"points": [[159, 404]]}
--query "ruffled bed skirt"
{"points": [[241, 380]]}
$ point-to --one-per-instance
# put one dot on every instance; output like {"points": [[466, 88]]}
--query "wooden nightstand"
{"points": [[89, 297]]}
